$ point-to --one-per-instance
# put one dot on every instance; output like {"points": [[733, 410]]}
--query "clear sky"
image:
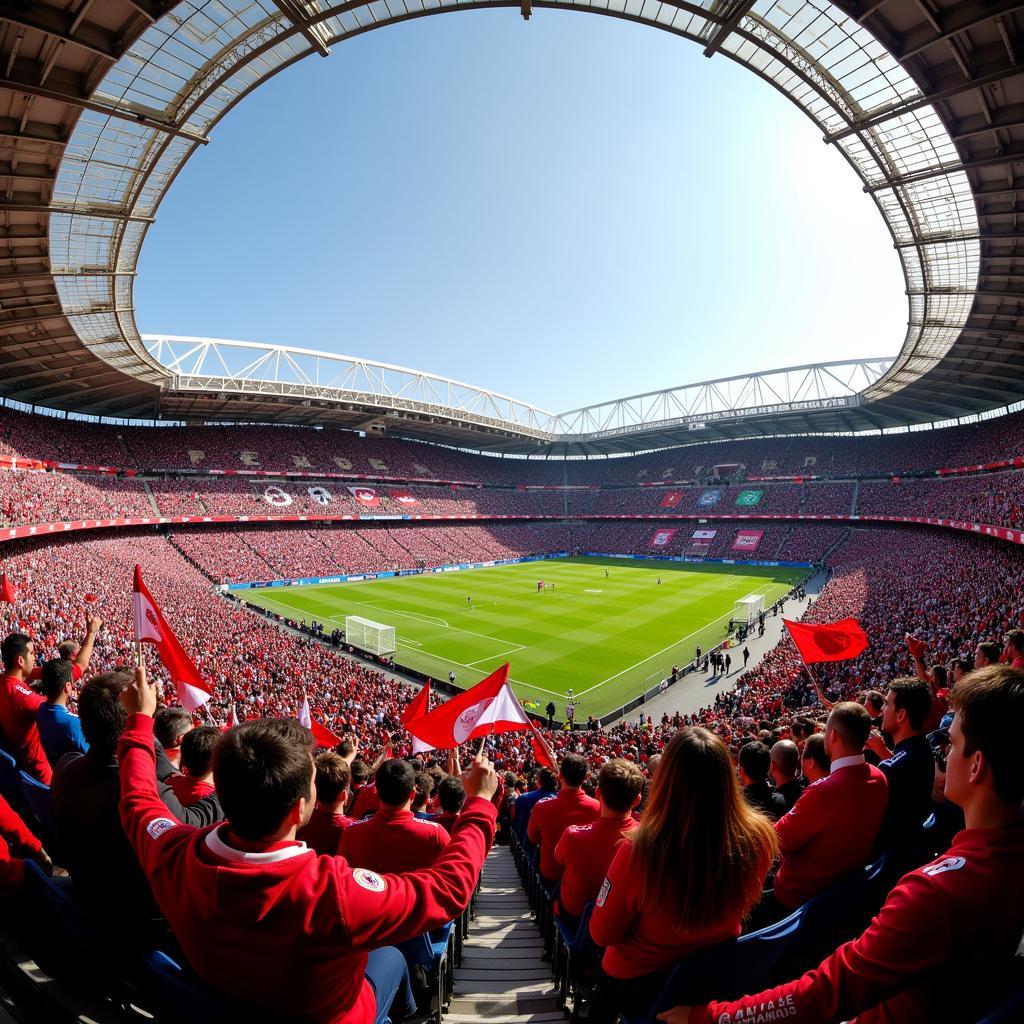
{"points": [[568, 210]]}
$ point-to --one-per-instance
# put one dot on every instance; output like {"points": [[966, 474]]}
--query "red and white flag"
{"points": [[417, 708], [403, 497], [322, 736], [152, 628], [232, 719], [662, 538], [671, 499], [8, 595], [489, 707], [365, 496]]}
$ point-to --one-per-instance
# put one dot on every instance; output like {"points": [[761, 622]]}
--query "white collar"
{"points": [[847, 762], [217, 846]]}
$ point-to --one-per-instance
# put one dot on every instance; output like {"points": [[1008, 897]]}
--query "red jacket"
{"points": [[584, 854], [14, 831], [190, 790], [829, 833], [941, 949], [642, 941], [551, 817], [323, 831], [445, 819], [393, 840], [286, 929], [18, 707], [364, 801]]}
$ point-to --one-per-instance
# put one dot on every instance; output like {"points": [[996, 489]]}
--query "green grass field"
{"points": [[606, 638]]}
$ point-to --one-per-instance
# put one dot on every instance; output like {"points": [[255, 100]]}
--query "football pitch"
{"points": [[608, 637]]}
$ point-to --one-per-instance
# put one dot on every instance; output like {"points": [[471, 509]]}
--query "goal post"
{"points": [[747, 609], [367, 635]]}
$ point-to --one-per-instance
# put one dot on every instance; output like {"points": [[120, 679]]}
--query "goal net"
{"points": [[370, 636], [748, 608]]}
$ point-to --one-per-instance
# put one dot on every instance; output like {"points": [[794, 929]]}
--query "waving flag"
{"points": [[365, 496], [489, 707], [232, 719], [417, 708], [833, 641], [152, 628], [7, 592], [322, 736]]}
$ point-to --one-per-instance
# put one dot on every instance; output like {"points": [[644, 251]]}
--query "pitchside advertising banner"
{"points": [[662, 538], [703, 538], [747, 540], [709, 499], [748, 499], [671, 499]]}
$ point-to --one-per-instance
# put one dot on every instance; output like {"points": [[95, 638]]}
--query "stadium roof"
{"points": [[102, 102]]}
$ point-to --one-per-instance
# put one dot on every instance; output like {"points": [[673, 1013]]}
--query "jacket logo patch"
{"points": [[606, 887], [158, 826], [942, 866], [368, 880]]}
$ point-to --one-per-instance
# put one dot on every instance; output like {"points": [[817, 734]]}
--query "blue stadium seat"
{"points": [[573, 949], [726, 971], [185, 999], [37, 796], [10, 781], [434, 954]]}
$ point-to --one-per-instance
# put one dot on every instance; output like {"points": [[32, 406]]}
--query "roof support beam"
{"points": [[49, 135], [294, 14], [43, 18], [727, 27], [950, 22], [75, 211], [937, 96], [149, 119], [1015, 155]]}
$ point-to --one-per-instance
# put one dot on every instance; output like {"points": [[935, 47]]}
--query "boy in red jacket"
{"points": [[942, 948], [260, 916]]}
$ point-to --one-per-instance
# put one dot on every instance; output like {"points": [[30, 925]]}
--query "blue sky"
{"points": [[567, 210]]}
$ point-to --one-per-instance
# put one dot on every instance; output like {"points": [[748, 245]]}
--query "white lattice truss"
{"points": [[214, 365], [163, 98]]}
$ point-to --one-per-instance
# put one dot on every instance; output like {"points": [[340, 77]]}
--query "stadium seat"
{"points": [[37, 796], [185, 999], [573, 950], [725, 971], [431, 958], [10, 781]]}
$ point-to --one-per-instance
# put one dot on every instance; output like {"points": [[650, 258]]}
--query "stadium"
{"points": [[342, 691]]}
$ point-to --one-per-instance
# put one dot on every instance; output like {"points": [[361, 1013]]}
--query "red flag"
{"points": [[542, 752], [232, 719], [418, 706], [915, 646], [152, 628], [7, 591], [833, 641], [322, 736], [489, 707], [89, 598]]}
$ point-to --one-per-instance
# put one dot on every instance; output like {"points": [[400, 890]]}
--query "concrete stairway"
{"points": [[502, 977]]}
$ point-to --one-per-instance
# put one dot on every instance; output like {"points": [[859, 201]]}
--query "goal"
{"points": [[748, 608], [370, 636]]}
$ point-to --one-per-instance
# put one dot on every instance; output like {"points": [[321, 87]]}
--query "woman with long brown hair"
{"points": [[688, 877]]}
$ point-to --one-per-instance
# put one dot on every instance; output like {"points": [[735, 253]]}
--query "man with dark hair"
{"points": [[327, 822], [195, 780], [545, 784], [987, 653], [169, 728], [421, 796], [451, 795], [365, 799], [755, 761], [84, 797], [19, 705], [942, 948], [909, 767], [394, 840], [552, 816], [262, 918], [1013, 652], [800, 730], [829, 833], [785, 769], [59, 730], [814, 761], [584, 852]]}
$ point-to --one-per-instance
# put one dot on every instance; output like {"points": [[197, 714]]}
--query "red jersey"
{"points": [[393, 840], [13, 831], [445, 819], [37, 672], [941, 947], [584, 854], [323, 832], [284, 928], [551, 817], [829, 833], [641, 941], [188, 790], [364, 801], [18, 706]]}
